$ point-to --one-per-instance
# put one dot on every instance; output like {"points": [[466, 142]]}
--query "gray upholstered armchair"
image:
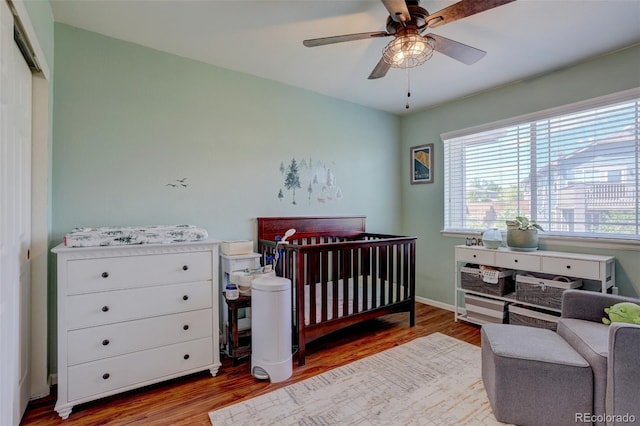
{"points": [[612, 351]]}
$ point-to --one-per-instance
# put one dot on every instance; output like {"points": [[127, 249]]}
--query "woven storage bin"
{"points": [[483, 310], [543, 290], [532, 317], [473, 279]]}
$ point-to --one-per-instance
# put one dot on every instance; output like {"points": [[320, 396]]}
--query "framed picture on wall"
{"points": [[422, 164]]}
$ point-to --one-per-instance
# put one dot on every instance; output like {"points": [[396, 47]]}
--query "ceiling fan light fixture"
{"points": [[408, 50]]}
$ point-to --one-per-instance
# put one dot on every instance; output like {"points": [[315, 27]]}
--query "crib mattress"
{"points": [[128, 235], [382, 298]]}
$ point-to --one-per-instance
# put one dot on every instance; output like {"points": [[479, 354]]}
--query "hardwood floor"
{"points": [[186, 401]]}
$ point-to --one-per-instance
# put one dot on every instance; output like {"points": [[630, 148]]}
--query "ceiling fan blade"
{"points": [[459, 51], [460, 10], [397, 10], [342, 38], [380, 70]]}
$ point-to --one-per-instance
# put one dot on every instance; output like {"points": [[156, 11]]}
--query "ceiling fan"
{"points": [[406, 23]]}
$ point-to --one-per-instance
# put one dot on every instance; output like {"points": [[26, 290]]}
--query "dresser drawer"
{"points": [[91, 344], [571, 267], [477, 256], [100, 274], [518, 261], [86, 310], [136, 368]]}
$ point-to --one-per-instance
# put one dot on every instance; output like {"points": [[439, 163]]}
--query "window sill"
{"points": [[574, 241]]}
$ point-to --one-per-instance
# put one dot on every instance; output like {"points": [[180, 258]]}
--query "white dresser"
{"points": [[129, 316]]}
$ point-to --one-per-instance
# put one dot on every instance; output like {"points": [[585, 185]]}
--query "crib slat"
{"points": [[323, 283], [400, 269], [346, 269], [299, 287], [405, 273], [365, 260], [354, 283], [390, 274], [412, 284], [374, 277], [310, 287], [335, 277]]}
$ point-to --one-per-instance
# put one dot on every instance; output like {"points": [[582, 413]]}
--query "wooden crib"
{"points": [[340, 274]]}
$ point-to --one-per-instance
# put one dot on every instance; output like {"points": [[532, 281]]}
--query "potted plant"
{"points": [[522, 234]]}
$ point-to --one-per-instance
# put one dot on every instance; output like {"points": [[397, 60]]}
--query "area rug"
{"points": [[432, 380]]}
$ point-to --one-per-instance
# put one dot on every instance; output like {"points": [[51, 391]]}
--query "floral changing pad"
{"points": [[119, 236]]}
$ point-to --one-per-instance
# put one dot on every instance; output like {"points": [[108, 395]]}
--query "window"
{"points": [[572, 169]]}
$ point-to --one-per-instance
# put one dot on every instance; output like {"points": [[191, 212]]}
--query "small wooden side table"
{"points": [[239, 342]]}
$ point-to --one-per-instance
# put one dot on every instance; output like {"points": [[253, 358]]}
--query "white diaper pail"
{"points": [[271, 329]]}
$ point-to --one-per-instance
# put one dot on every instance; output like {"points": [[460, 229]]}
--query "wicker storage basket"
{"points": [[476, 280], [544, 290], [532, 317]]}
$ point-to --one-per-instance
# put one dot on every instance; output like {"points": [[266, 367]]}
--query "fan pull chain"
{"points": [[408, 88]]}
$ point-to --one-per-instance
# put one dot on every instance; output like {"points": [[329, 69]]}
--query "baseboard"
{"points": [[40, 394], [52, 380], [435, 303]]}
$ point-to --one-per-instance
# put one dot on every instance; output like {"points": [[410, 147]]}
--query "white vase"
{"points": [[524, 240], [492, 238]]}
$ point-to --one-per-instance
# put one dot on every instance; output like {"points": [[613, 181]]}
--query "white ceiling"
{"points": [[264, 38]]}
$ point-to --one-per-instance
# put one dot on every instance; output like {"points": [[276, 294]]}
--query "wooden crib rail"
{"points": [[323, 244], [269, 228], [380, 268], [340, 274]]}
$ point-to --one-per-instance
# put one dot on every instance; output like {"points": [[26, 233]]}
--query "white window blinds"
{"points": [[574, 170]]}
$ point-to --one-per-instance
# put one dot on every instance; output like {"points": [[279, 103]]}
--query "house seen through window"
{"points": [[574, 170]]}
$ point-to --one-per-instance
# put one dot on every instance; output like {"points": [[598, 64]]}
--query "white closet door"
{"points": [[15, 224]]}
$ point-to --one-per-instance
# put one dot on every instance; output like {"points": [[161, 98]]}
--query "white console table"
{"points": [[584, 266]]}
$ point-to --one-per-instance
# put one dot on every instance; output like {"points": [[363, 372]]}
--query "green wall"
{"points": [[129, 121], [423, 205]]}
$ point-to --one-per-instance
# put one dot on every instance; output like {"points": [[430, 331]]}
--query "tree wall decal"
{"points": [[292, 179], [318, 179]]}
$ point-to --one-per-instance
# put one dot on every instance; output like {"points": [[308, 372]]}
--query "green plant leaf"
{"points": [[524, 224]]}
